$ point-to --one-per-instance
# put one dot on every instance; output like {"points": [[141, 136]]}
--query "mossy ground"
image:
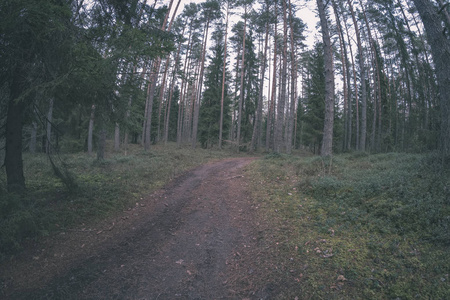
{"points": [[357, 226]]}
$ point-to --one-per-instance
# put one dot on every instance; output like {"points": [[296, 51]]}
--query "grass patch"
{"points": [[357, 226], [100, 189]]}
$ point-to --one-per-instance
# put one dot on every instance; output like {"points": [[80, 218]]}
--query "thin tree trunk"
{"points": [[33, 136], [183, 90], [282, 100], [362, 140], [152, 87], [293, 86], [256, 137], [241, 95], [355, 84], [162, 91], [271, 115], [117, 137], [49, 127], [199, 89], [345, 72], [91, 129], [223, 78]]}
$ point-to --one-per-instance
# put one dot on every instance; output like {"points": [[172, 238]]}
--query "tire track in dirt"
{"points": [[182, 247]]}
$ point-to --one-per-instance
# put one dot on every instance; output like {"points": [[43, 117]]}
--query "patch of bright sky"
{"points": [[307, 13]]}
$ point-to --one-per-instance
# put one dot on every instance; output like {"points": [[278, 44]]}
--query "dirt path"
{"points": [[184, 242]]}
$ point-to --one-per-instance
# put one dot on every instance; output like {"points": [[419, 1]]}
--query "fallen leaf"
{"points": [[341, 278], [180, 261]]}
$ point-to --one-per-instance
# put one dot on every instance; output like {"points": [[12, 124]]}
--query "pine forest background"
{"points": [[215, 74]]}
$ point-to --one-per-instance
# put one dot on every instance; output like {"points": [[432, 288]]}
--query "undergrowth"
{"points": [[86, 190], [358, 226]]}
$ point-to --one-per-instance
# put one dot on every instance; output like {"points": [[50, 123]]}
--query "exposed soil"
{"points": [[194, 239]]}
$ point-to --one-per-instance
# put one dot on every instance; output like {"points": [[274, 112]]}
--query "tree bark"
{"points": [[91, 129], [279, 123], [151, 90], [258, 120], [117, 137], [327, 142], [293, 86], [199, 88], [223, 77], [241, 95], [271, 113], [363, 133], [49, 127], [440, 49], [345, 69], [33, 136]]}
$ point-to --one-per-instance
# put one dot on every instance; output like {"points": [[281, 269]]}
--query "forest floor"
{"points": [[197, 238]]}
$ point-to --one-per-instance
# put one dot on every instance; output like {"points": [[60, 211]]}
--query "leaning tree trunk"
{"points": [[440, 49], [327, 142]]}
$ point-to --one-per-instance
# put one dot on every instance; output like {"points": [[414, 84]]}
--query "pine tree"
{"points": [[314, 104], [209, 119]]}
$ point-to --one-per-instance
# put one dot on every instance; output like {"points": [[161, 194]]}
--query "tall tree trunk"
{"points": [[199, 88], [440, 49], [184, 90], [345, 67], [282, 100], [241, 95], [271, 113], [223, 77], [256, 137], [355, 86], [327, 142], [293, 86], [377, 79], [362, 68], [162, 91], [152, 87], [169, 105]]}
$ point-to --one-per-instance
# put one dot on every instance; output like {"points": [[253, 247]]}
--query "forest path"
{"points": [[182, 242]]}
